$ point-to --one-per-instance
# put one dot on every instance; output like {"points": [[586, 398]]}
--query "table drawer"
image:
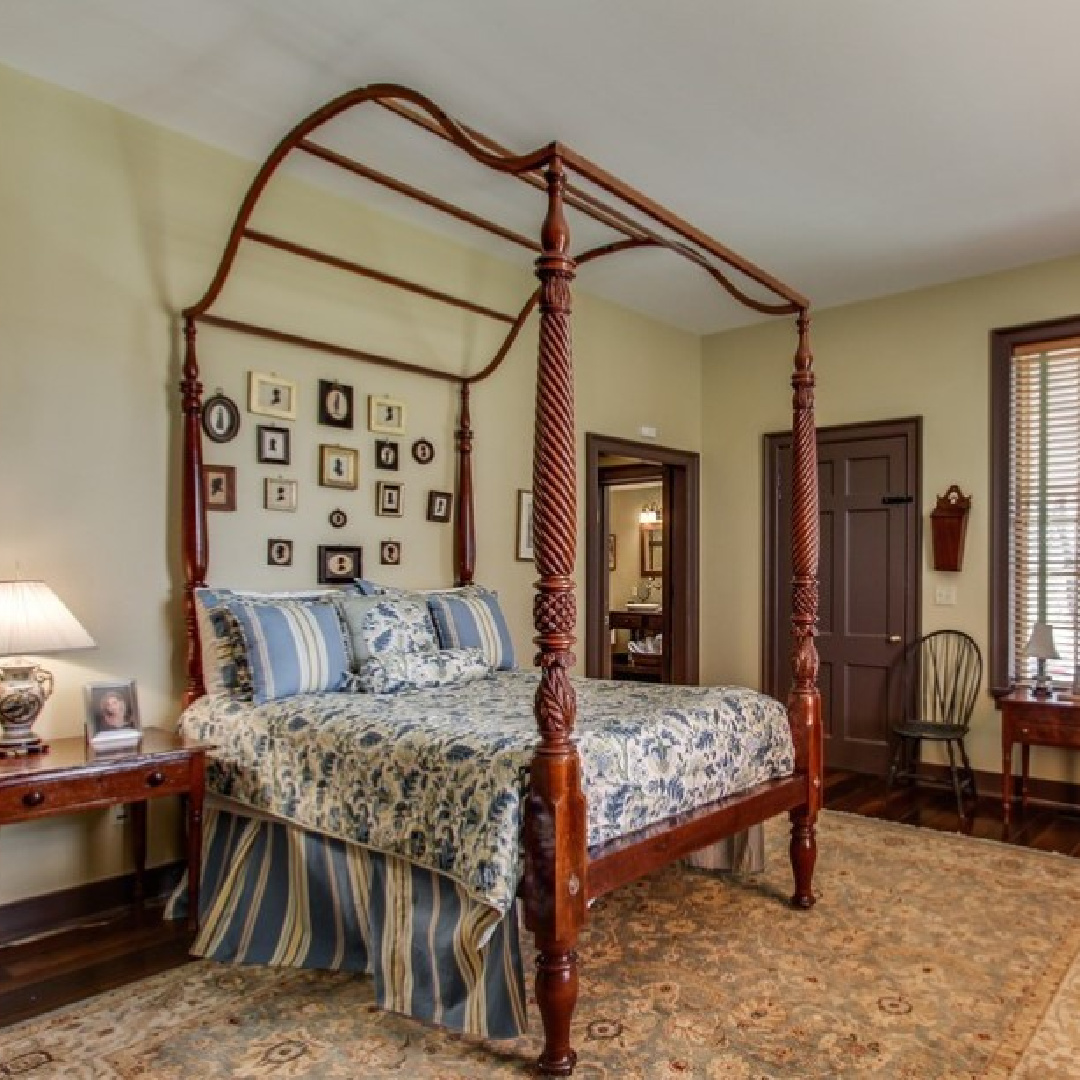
{"points": [[1047, 732], [63, 794]]}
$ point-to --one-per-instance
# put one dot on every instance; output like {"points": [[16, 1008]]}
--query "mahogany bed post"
{"points": [[465, 512], [555, 854], [193, 508], [804, 700]]}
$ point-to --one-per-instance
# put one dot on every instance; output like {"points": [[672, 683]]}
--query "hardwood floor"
{"points": [[41, 974]]}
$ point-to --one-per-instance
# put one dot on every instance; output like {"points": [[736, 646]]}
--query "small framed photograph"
{"points": [[388, 500], [439, 504], [338, 564], [386, 454], [338, 518], [335, 404], [270, 396], [219, 487], [220, 418], [525, 526], [279, 552], [612, 562], [390, 553], [273, 445], [279, 494], [112, 714], [423, 451], [386, 414], [338, 466]]}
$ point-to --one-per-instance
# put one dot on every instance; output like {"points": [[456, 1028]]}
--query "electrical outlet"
{"points": [[118, 814], [945, 595]]}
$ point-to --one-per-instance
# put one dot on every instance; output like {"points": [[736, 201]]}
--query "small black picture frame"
{"points": [[273, 445], [335, 404], [339, 563], [439, 505], [219, 487], [388, 499], [220, 418], [390, 552], [423, 451], [386, 454], [279, 552]]}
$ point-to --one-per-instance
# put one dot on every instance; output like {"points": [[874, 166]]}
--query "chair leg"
{"points": [[969, 770], [955, 778], [894, 763]]}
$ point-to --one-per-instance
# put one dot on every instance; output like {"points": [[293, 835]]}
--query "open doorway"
{"points": [[642, 552]]}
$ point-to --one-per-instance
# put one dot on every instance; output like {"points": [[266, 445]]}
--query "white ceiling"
{"points": [[853, 148]]}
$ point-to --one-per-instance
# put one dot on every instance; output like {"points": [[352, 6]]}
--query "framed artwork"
{"points": [[112, 713], [335, 404], [390, 553], [386, 454], [386, 414], [611, 548], [270, 396], [439, 504], [388, 502], [338, 519], [338, 466], [525, 526], [423, 451], [220, 418], [279, 552], [219, 487], [273, 445], [279, 494], [338, 564]]}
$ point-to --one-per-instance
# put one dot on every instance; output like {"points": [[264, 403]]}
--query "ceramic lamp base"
{"points": [[24, 688]]}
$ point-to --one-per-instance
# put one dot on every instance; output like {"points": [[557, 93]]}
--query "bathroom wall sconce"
{"points": [[650, 514]]}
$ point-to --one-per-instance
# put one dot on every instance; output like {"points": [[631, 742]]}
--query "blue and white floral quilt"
{"points": [[437, 775]]}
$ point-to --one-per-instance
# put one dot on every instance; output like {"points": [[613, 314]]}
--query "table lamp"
{"points": [[33, 619], [1041, 646]]}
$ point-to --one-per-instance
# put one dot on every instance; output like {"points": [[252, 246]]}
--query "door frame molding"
{"points": [[907, 426], [682, 552]]}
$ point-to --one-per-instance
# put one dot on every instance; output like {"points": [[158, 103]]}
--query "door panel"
{"points": [[868, 581]]}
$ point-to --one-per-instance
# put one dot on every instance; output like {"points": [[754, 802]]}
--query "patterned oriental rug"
{"points": [[928, 956]]}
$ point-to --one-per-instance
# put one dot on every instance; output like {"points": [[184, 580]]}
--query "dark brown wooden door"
{"points": [[868, 477]]}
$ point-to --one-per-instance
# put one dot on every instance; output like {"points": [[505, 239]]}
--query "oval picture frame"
{"points": [[220, 418], [423, 451]]}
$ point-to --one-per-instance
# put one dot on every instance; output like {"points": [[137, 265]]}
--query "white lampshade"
{"points": [[1041, 643], [33, 619]]}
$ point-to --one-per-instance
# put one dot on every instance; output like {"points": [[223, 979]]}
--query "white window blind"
{"points": [[1044, 502]]}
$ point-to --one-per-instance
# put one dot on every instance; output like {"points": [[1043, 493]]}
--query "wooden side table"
{"points": [[71, 778], [1037, 721]]}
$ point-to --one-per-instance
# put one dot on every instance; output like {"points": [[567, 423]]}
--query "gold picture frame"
{"points": [[339, 466], [386, 414], [269, 395]]}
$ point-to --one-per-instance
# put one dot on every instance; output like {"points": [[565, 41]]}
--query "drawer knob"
{"points": [[1023, 731], [33, 798], [155, 779]]}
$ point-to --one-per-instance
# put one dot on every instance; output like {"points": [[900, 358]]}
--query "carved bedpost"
{"points": [[465, 514], [192, 508], [804, 700], [555, 809]]}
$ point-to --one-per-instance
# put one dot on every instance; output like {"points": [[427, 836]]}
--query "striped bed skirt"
{"points": [[273, 893]]}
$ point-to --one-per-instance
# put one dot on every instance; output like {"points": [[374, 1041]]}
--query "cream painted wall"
{"points": [[108, 226], [922, 353]]}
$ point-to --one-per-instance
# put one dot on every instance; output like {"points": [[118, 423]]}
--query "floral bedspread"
{"points": [[437, 775]]}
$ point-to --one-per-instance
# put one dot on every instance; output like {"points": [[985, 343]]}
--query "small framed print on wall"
{"points": [[390, 553], [335, 404], [273, 445], [338, 564], [423, 451], [270, 396], [525, 526], [338, 466], [220, 418], [279, 552], [386, 414], [219, 487], [279, 494], [386, 454], [388, 502], [439, 504]]}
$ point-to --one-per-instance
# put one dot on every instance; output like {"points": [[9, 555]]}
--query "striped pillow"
{"points": [[472, 619], [293, 647]]}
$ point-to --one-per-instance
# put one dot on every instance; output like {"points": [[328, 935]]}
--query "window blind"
{"points": [[1044, 502]]}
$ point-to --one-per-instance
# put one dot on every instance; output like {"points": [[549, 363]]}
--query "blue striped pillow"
{"points": [[472, 619], [293, 647]]}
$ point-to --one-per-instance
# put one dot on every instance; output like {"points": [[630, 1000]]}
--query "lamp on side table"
{"points": [[33, 619], [1041, 646]]}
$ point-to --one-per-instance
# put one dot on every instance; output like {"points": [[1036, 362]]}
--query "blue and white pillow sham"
{"points": [[472, 618], [393, 672], [384, 624]]}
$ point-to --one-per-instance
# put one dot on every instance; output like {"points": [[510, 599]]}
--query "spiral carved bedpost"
{"points": [[465, 512], [192, 507], [554, 886], [804, 700]]}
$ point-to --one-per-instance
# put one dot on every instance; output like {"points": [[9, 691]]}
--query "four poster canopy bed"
{"points": [[473, 784]]}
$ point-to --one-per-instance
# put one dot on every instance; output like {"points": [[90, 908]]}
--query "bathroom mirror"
{"points": [[652, 549]]}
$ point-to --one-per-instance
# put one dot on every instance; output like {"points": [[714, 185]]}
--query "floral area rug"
{"points": [[928, 956]]}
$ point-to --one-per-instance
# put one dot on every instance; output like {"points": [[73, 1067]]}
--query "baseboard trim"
{"points": [[38, 914], [1052, 792]]}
